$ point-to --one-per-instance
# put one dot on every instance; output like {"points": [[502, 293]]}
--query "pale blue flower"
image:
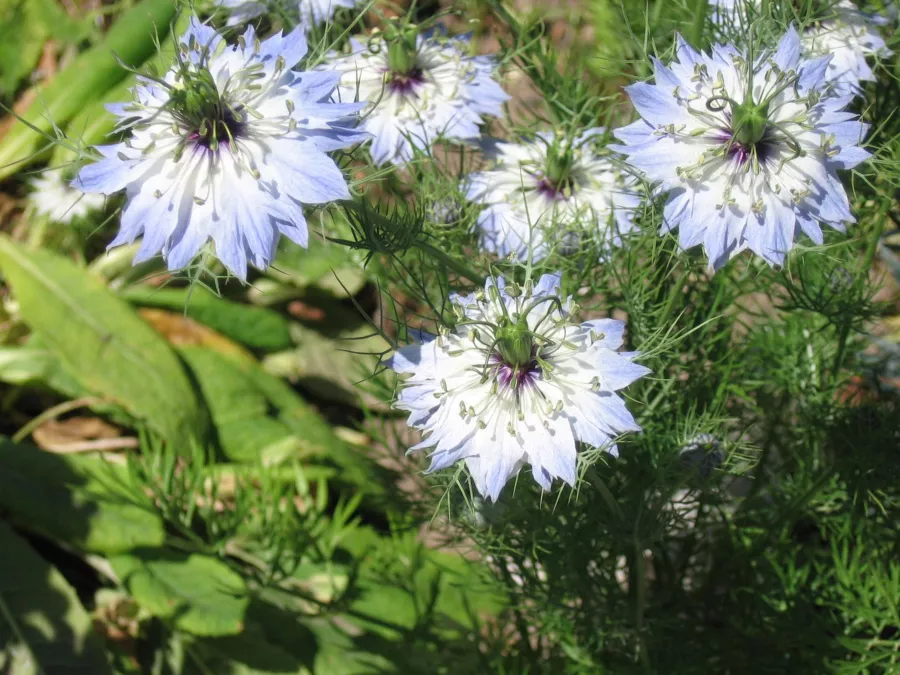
{"points": [[227, 148], [839, 28], [745, 169], [423, 88], [551, 189], [517, 382]]}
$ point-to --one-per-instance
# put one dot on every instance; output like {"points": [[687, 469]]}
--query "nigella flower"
{"points": [[839, 28], [53, 197], [747, 146], [309, 12], [850, 36], [227, 147], [422, 87], [517, 381], [542, 190]]}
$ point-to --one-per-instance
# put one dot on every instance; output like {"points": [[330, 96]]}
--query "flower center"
{"points": [[517, 377], [214, 131], [514, 342], [200, 108], [405, 82], [404, 74], [558, 180], [749, 121]]}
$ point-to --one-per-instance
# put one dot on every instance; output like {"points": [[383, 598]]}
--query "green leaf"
{"points": [[331, 367], [240, 411], [101, 342], [85, 501], [200, 594], [25, 25], [316, 433], [325, 265], [21, 365], [255, 327], [43, 627], [254, 411]]}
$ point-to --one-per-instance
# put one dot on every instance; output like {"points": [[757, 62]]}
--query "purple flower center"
{"points": [[219, 131], [556, 191], [406, 83], [509, 375], [741, 152]]}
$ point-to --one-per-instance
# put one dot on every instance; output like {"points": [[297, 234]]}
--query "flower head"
{"points": [[838, 28], [52, 196], [747, 146], [549, 188], [850, 36], [517, 381], [422, 87], [227, 147], [309, 12]]}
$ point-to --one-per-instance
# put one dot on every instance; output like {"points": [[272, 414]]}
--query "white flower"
{"points": [[228, 147], [850, 36], [748, 155], [422, 88], [546, 189], [841, 30], [52, 196], [310, 12], [517, 381]]}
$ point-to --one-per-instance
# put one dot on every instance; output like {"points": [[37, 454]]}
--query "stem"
{"points": [[451, 264], [700, 8], [637, 581], [50, 413]]}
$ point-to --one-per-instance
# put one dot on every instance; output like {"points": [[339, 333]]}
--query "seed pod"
{"points": [[131, 38]]}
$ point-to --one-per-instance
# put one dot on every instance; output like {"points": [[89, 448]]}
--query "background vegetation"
{"points": [[201, 476]]}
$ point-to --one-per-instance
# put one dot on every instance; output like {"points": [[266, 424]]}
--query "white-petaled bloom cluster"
{"points": [[227, 147], [309, 12], [849, 35], [53, 197], [552, 187], [422, 87], [517, 382], [748, 148]]}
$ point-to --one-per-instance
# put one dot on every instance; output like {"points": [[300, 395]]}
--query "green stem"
{"points": [[700, 9], [51, 413], [637, 581], [450, 263]]}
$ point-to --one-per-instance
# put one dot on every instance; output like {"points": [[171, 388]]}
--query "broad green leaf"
{"points": [[200, 594], [25, 25], [253, 653], [401, 575], [101, 342], [20, 365], [43, 627], [240, 411], [255, 327], [331, 367], [317, 434], [328, 266], [258, 416], [82, 500]]}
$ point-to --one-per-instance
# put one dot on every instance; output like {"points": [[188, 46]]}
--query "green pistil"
{"points": [[560, 162], [198, 106], [402, 54], [515, 342], [749, 122]]}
